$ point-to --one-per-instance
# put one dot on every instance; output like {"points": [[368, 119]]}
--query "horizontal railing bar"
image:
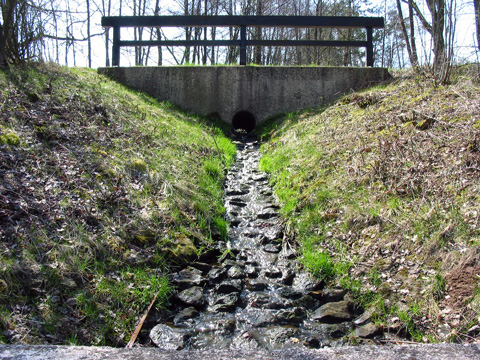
{"points": [[238, 20], [329, 43]]}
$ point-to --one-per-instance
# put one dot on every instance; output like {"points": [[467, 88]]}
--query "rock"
{"points": [[280, 337], [333, 295], [186, 316], [365, 317], [273, 273], [289, 317], [267, 214], [251, 271], [216, 274], [225, 302], [245, 341], [289, 293], [255, 285], [210, 256], [273, 248], [229, 286], [188, 277], [367, 331], [169, 338], [312, 342], [235, 272], [192, 296], [305, 283], [334, 312], [203, 267]]}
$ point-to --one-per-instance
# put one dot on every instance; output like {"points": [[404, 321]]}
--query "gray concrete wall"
{"points": [[263, 91]]}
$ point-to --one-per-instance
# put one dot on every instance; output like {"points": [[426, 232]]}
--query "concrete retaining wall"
{"points": [[263, 91]]}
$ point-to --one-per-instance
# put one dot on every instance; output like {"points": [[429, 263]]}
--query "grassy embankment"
{"points": [[102, 191], [381, 192]]}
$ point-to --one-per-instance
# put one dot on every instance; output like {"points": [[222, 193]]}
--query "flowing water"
{"points": [[253, 295]]}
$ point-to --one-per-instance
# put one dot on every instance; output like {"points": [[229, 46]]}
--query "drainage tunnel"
{"points": [[244, 120]]}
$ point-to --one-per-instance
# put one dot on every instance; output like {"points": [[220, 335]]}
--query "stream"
{"points": [[254, 295]]}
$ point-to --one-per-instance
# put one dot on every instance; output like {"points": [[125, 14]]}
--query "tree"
{"points": [[476, 4], [6, 29]]}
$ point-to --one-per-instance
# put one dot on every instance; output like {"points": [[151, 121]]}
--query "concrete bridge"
{"points": [[245, 96]]}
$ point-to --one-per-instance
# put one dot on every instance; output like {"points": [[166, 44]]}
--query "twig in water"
{"points": [[140, 324]]}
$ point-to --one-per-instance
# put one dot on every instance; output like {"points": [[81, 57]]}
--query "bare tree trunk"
{"points": [[258, 35], [6, 29], [89, 39], [476, 4], [408, 39]]}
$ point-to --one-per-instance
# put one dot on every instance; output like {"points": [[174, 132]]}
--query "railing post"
{"points": [[243, 45], [369, 46], [116, 46]]}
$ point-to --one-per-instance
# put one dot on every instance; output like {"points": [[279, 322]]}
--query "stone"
{"points": [[188, 277], [334, 312], [169, 338], [225, 302], [273, 248], [229, 286], [186, 316], [305, 283], [365, 317], [235, 272], [289, 317], [255, 285], [289, 293], [332, 294], [280, 337], [367, 331], [273, 273], [192, 296], [216, 274]]}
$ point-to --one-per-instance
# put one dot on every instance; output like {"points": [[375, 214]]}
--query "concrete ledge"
{"points": [[397, 352], [261, 90]]}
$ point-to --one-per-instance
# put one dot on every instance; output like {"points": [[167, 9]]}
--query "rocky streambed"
{"points": [[249, 293]]}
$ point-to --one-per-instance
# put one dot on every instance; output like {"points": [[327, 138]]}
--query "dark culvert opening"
{"points": [[244, 120]]}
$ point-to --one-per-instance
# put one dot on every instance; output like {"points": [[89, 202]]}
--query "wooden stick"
{"points": [[140, 324]]}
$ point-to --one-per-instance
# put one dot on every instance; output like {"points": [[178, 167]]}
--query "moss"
{"points": [[9, 138]]}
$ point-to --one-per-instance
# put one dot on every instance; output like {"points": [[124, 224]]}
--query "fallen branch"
{"points": [[140, 324]]}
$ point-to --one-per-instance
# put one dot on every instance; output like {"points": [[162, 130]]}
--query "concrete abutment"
{"points": [[242, 93]]}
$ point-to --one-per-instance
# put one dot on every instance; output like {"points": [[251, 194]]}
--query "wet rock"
{"points": [[367, 331], [256, 285], [186, 316], [169, 338], [245, 341], [307, 302], [251, 271], [287, 277], [290, 293], [225, 302], [312, 342], [333, 295], [294, 316], [188, 277], [280, 337], [235, 272], [216, 274], [192, 296], [237, 202], [305, 283], [257, 317], [273, 273], [334, 312], [273, 248], [267, 214], [203, 267], [229, 286], [236, 192]]}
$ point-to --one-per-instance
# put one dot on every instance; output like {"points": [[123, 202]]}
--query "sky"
{"points": [[465, 38]]}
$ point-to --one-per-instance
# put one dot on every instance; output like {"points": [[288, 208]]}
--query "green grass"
{"points": [[363, 185], [117, 189]]}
